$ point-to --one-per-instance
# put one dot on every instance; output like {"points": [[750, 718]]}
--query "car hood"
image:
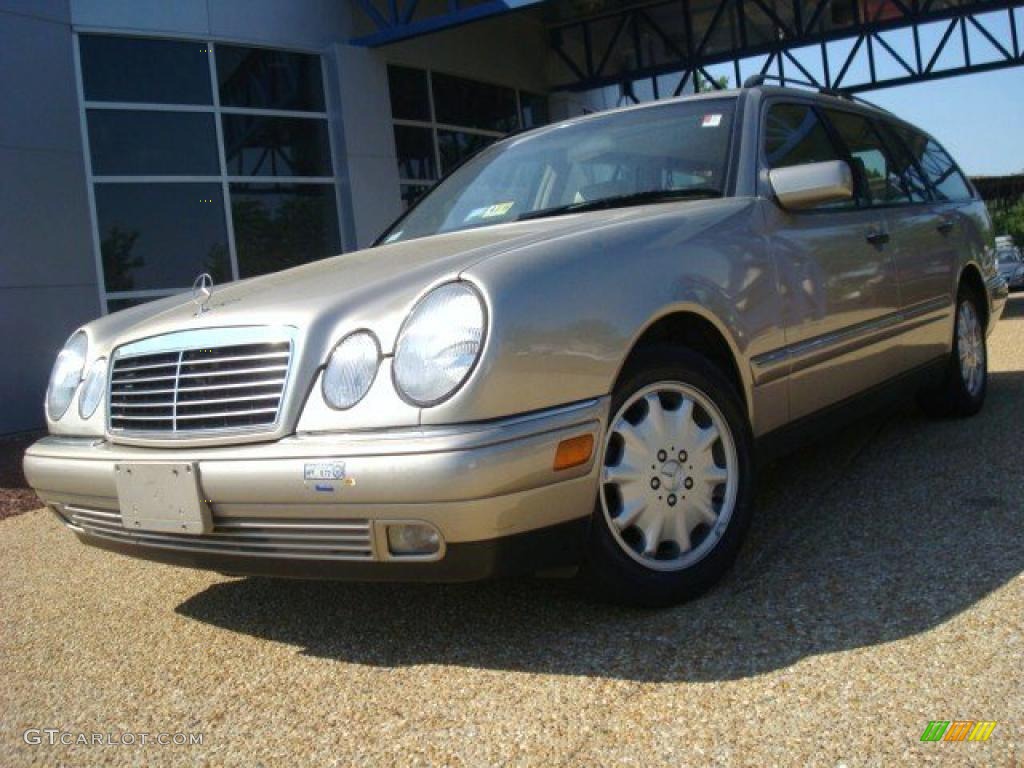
{"points": [[372, 288]]}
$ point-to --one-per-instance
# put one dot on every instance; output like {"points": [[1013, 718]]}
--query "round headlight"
{"points": [[92, 391], [439, 344], [66, 375], [351, 369]]}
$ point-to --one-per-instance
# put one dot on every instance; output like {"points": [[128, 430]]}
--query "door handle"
{"points": [[945, 226], [877, 237]]}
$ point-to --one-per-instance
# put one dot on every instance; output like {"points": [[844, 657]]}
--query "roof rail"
{"points": [[755, 81]]}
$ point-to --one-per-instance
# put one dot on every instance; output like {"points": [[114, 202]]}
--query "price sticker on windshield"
{"points": [[711, 121]]}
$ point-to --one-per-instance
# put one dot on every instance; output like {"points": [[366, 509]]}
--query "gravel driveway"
{"points": [[881, 588]]}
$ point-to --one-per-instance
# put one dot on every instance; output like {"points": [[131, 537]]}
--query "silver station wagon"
{"points": [[570, 354]]}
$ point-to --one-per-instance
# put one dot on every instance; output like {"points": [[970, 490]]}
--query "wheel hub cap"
{"points": [[970, 348], [670, 476]]}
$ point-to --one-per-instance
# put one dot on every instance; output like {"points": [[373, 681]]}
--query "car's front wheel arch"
{"points": [[691, 331], [970, 278]]}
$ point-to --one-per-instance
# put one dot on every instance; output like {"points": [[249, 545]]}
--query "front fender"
{"points": [[565, 313]]}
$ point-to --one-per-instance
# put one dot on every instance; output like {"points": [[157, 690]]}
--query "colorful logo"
{"points": [[958, 730]]}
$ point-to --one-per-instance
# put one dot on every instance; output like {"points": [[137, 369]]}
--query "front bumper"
{"points": [[488, 489]]}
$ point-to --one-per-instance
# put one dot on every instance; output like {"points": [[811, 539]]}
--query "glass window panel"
{"points": [[876, 173], [457, 146], [681, 145], [411, 193], [795, 136], [156, 236], [467, 103], [913, 179], [135, 69], [409, 97], [415, 147], [276, 146], [535, 109], [938, 166], [131, 143], [283, 225], [261, 78]]}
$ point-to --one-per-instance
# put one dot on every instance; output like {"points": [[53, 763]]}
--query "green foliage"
{"points": [[704, 84], [1010, 221]]}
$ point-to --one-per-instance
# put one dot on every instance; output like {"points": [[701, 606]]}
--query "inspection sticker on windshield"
{"points": [[711, 121], [498, 209]]}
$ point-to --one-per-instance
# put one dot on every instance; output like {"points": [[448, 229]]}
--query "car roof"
{"points": [[832, 99], [835, 100]]}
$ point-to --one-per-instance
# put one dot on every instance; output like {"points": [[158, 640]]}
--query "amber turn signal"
{"points": [[574, 451]]}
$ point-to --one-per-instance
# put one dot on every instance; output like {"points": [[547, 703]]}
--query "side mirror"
{"points": [[806, 186]]}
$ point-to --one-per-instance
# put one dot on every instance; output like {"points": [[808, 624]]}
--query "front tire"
{"points": [[961, 392], [676, 482]]}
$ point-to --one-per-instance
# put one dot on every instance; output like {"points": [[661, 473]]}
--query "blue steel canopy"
{"points": [[837, 44], [398, 20]]}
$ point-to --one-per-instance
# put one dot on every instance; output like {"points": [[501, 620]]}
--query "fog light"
{"points": [[413, 539]]}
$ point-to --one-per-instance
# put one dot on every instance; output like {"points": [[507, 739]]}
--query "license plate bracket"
{"points": [[162, 497]]}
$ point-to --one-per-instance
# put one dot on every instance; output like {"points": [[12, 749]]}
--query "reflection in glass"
{"points": [[409, 97], [261, 78], [795, 136], [283, 225], [938, 166], [156, 236], [535, 109], [145, 70], [871, 161], [458, 101], [415, 147], [133, 143], [276, 146], [412, 192], [457, 146]]}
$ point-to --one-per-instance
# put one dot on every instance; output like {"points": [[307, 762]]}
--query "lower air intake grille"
{"points": [[255, 537]]}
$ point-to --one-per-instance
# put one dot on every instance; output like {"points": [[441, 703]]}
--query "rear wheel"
{"points": [[676, 478], [963, 387]]}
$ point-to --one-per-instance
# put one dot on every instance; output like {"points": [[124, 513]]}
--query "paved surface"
{"points": [[15, 495], [881, 588]]}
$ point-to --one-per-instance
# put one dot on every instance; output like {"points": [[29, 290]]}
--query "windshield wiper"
{"points": [[623, 201]]}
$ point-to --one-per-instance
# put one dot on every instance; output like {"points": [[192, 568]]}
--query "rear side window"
{"points": [[877, 173], [946, 179]]}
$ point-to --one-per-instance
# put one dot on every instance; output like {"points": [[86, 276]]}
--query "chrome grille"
{"points": [[202, 388], [252, 536]]}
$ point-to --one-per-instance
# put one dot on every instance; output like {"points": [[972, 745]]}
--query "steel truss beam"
{"points": [[797, 24]]}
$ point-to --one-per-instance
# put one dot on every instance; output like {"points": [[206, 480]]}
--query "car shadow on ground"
{"points": [[882, 531]]}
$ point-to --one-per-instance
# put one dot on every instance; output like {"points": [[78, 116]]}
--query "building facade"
{"points": [[143, 142]]}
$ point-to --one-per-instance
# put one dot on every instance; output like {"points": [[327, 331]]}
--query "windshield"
{"points": [[1008, 257], [670, 151]]}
